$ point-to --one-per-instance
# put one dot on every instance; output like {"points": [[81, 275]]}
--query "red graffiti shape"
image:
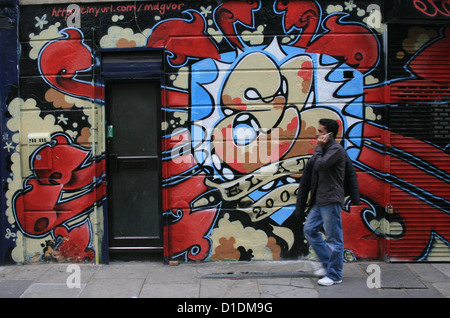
{"points": [[189, 234], [430, 67], [61, 188], [184, 39], [433, 63], [61, 60], [231, 12], [432, 8], [74, 243], [301, 15], [410, 206], [355, 43]]}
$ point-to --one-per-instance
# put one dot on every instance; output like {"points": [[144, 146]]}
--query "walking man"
{"points": [[324, 178]]}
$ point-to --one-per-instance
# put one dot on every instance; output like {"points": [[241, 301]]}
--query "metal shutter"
{"points": [[419, 121]]}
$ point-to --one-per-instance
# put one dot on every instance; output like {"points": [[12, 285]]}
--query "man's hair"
{"points": [[330, 125]]}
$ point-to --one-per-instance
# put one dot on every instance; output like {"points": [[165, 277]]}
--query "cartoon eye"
{"points": [[283, 88], [243, 135], [252, 94], [245, 129]]}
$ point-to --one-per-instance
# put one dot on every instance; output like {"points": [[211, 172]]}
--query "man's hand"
{"points": [[322, 140]]}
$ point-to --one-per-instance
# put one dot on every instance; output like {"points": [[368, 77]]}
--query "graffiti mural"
{"points": [[61, 189], [245, 85]]}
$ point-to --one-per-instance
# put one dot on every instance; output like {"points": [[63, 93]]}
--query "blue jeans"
{"points": [[331, 252]]}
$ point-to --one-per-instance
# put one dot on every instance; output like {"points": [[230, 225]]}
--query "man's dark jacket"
{"points": [[309, 180]]}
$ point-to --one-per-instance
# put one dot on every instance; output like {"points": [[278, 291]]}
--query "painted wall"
{"points": [[245, 84]]}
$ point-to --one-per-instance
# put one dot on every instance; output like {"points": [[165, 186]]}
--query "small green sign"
{"points": [[109, 131]]}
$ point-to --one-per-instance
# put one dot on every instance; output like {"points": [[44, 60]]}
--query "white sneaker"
{"points": [[321, 272], [328, 281]]}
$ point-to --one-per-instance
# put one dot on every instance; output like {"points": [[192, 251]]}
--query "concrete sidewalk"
{"points": [[259, 279]]}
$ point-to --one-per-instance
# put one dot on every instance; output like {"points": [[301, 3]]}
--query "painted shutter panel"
{"points": [[419, 120]]}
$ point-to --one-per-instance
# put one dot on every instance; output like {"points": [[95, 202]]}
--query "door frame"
{"points": [[131, 67]]}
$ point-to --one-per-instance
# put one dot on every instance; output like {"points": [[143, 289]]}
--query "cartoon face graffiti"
{"points": [[259, 126], [254, 121]]}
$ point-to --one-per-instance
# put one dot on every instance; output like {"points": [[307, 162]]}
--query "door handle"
{"points": [[117, 162], [133, 162]]}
